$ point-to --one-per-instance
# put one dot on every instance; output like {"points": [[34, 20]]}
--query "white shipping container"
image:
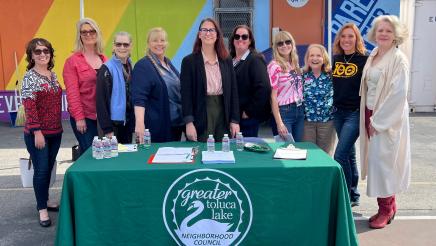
{"points": [[422, 96]]}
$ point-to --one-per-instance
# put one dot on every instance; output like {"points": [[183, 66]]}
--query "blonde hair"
{"points": [[360, 43], [400, 30], [293, 56], [154, 33], [326, 67], [78, 45]]}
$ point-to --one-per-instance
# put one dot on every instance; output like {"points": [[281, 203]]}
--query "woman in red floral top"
{"points": [[41, 95]]}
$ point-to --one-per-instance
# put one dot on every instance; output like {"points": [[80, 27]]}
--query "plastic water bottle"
{"points": [[210, 143], [114, 146], [94, 148], [239, 142], [147, 139], [107, 148], [226, 143], [99, 150]]}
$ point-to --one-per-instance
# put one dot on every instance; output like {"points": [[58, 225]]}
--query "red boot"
{"points": [[378, 212], [386, 213]]}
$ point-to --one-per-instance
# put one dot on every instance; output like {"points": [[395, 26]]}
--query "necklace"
{"points": [[346, 62]]}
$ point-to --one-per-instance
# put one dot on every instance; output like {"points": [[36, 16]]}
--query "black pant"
{"points": [[123, 132], [43, 161], [176, 133]]}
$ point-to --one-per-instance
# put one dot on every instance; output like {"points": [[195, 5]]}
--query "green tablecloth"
{"points": [[119, 201]]}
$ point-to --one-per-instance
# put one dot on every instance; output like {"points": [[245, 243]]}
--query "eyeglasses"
{"points": [[125, 45], [39, 51], [210, 30], [243, 36], [281, 43], [88, 32]]}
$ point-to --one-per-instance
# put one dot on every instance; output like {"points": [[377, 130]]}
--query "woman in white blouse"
{"points": [[384, 120]]}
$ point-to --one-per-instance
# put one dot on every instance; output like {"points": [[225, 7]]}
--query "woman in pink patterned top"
{"points": [[287, 87]]}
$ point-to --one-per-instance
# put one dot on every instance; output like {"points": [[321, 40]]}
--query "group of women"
{"points": [[225, 92]]}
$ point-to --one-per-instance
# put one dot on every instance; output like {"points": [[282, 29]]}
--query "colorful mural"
{"points": [[55, 20], [362, 13]]}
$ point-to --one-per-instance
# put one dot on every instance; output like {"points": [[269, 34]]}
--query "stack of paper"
{"points": [[291, 153], [173, 155], [209, 157]]}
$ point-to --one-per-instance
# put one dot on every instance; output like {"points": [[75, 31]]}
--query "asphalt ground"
{"points": [[414, 224]]}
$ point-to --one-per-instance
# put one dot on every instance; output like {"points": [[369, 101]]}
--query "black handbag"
{"points": [[75, 151]]}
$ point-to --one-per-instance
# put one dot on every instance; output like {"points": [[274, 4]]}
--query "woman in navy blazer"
{"points": [[156, 92], [209, 89]]}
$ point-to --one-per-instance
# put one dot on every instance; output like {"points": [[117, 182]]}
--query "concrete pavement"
{"points": [[415, 222]]}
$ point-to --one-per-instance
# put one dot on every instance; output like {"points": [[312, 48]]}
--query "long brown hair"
{"points": [[360, 44], [31, 46], [219, 46]]}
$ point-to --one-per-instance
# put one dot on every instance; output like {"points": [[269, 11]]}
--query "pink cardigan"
{"points": [[80, 82]]}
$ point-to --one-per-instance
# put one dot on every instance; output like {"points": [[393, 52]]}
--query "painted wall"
{"points": [[55, 20], [361, 12]]}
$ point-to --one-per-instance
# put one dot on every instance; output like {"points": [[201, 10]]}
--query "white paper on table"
{"points": [[215, 157], [173, 155], [122, 148], [292, 154]]}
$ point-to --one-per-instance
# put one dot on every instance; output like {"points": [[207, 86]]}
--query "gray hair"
{"points": [[78, 45], [400, 30], [123, 33]]}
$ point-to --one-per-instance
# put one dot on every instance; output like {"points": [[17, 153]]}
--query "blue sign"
{"points": [[361, 12]]}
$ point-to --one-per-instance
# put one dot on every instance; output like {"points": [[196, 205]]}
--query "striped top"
{"points": [[289, 84]]}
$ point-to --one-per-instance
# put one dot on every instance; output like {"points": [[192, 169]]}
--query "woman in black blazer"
{"points": [[253, 81], [209, 89]]}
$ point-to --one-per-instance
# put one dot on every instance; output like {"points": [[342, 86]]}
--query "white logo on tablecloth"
{"points": [[207, 207]]}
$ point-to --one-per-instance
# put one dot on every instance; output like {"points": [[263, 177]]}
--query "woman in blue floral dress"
{"points": [[318, 97]]}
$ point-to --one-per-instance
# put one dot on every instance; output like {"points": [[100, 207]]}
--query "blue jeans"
{"points": [[249, 127], [85, 139], [347, 127], [293, 118], [43, 161]]}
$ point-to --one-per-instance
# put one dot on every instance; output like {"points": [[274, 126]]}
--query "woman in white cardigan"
{"points": [[384, 120]]}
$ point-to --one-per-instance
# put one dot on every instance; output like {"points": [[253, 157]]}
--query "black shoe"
{"points": [[354, 203], [53, 209], [45, 223]]}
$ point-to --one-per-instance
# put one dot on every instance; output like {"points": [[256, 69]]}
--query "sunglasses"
{"points": [[39, 51], [125, 45], [210, 30], [243, 36], [88, 32], [281, 43]]}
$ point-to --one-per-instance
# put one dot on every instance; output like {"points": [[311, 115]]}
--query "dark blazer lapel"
{"points": [[200, 64], [224, 74]]}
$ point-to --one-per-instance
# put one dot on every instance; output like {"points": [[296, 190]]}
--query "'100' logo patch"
{"points": [[344, 70]]}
